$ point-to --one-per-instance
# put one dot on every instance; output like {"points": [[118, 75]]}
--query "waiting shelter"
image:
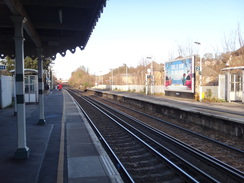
{"points": [[232, 83], [31, 85]]}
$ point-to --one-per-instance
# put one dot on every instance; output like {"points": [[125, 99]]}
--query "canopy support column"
{"points": [[22, 151], [42, 120]]}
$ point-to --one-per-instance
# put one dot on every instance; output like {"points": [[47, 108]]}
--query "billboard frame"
{"points": [[180, 75]]}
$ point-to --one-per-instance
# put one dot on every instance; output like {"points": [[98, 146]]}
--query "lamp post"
{"points": [[151, 76], [112, 81], [102, 77], [126, 76], [200, 74]]}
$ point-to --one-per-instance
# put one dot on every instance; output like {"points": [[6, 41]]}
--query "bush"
{"points": [[213, 99]]}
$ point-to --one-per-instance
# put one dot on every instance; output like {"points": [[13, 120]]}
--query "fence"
{"points": [[132, 88], [213, 90]]}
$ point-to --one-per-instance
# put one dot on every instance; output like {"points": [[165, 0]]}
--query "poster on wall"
{"points": [[179, 75]]}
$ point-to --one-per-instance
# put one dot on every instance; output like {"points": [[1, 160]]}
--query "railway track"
{"points": [[217, 149], [148, 155]]}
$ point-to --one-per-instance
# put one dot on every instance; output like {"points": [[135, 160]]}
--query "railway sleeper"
{"points": [[158, 177], [122, 146], [136, 152], [151, 168], [152, 162], [141, 156]]}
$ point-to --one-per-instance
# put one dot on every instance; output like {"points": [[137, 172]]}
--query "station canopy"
{"points": [[53, 25]]}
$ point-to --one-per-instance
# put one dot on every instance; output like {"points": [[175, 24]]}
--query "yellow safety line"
{"points": [[61, 150]]}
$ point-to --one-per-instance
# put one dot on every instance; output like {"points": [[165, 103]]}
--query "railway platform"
{"points": [[230, 110], [64, 150], [226, 117]]}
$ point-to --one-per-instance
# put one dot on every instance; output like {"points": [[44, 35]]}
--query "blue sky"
{"points": [[128, 31]]}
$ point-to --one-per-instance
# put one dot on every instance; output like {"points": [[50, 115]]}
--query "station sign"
{"points": [[2, 67]]}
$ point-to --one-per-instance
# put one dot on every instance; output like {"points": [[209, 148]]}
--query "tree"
{"points": [[230, 42], [10, 64], [208, 56], [81, 78], [28, 63], [233, 41], [233, 57], [186, 49]]}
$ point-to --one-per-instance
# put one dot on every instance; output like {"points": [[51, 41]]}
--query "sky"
{"points": [[129, 31]]}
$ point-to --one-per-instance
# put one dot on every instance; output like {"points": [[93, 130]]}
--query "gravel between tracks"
{"points": [[222, 154]]}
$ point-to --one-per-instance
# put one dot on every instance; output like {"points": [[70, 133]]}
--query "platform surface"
{"points": [[64, 150], [233, 111]]}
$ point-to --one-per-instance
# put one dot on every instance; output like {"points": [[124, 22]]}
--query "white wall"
{"points": [[132, 88], [157, 88], [213, 89], [6, 89]]}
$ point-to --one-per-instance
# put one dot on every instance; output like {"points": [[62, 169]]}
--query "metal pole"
{"points": [[126, 77], [112, 79], [200, 89], [242, 86], [152, 78], [102, 77], [200, 74], [126, 82], [146, 85]]}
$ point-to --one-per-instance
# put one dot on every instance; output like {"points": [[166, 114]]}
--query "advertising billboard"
{"points": [[179, 75]]}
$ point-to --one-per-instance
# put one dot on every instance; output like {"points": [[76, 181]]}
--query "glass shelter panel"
{"points": [[26, 84], [32, 84]]}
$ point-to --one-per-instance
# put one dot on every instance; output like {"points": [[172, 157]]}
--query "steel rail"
{"points": [[158, 144], [177, 169], [118, 164], [231, 171], [184, 129]]}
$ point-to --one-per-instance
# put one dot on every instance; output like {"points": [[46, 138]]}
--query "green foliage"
{"points": [[28, 63], [31, 64], [81, 78], [208, 93], [10, 64], [209, 98], [213, 99], [86, 84]]}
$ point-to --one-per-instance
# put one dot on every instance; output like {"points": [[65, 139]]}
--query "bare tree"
{"points": [[171, 55], [186, 48], [208, 56], [234, 40], [233, 47], [229, 42], [144, 62], [239, 35]]}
